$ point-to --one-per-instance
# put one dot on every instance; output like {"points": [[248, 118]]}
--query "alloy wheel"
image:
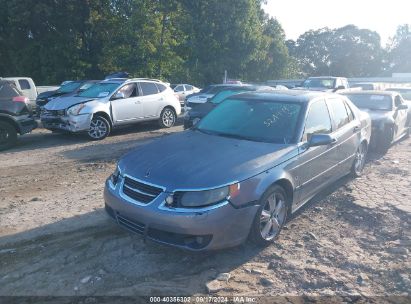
{"points": [[168, 118], [98, 129], [4, 136], [360, 159], [273, 216]]}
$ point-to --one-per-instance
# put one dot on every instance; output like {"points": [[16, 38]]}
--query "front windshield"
{"points": [[327, 83], [372, 102], [69, 87], [265, 121], [100, 90], [219, 97]]}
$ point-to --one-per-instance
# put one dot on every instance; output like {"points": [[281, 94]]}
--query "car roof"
{"points": [[302, 96], [370, 92], [325, 77]]}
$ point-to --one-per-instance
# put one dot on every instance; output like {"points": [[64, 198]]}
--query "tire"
{"points": [[359, 160], [100, 128], [386, 139], [269, 218], [8, 135], [168, 118]]}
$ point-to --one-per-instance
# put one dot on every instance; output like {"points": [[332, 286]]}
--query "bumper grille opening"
{"points": [[139, 191], [133, 226], [186, 240]]}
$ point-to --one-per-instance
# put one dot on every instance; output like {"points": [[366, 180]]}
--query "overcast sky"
{"points": [[296, 17]]}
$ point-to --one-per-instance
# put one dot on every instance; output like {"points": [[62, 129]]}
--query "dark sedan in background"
{"points": [[238, 174], [389, 115], [70, 88], [196, 111]]}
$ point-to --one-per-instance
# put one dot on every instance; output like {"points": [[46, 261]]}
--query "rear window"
{"points": [[161, 87], [8, 91], [148, 88], [372, 101], [24, 84]]}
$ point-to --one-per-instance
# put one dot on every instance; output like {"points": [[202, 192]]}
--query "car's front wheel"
{"points": [[270, 217], [167, 118], [99, 128], [8, 135]]}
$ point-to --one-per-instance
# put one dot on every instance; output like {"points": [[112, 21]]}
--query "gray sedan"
{"points": [[244, 168]]}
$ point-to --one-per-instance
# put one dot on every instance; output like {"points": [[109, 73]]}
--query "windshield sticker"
{"points": [[103, 94], [377, 97]]}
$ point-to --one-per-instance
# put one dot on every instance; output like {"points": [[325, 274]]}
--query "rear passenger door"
{"points": [[150, 99], [347, 132]]}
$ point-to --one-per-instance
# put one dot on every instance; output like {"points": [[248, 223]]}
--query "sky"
{"points": [[382, 16]]}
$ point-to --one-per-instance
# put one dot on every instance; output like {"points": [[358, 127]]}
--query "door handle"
{"points": [[137, 102], [356, 129]]}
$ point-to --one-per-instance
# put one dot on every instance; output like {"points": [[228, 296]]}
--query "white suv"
{"points": [[111, 103]]}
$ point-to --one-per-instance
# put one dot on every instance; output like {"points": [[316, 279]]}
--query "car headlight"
{"points": [[191, 199], [75, 110], [115, 176]]}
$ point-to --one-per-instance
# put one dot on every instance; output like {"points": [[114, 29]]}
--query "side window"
{"points": [[129, 90], [24, 84], [398, 101], [179, 88], [339, 112], [188, 87], [349, 111], [148, 88], [161, 87], [318, 120]]}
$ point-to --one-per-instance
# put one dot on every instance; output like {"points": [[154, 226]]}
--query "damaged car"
{"points": [[389, 115], [242, 170]]}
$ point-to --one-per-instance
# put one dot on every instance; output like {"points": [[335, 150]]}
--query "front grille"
{"points": [[140, 192], [133, 226], [52, 113]]}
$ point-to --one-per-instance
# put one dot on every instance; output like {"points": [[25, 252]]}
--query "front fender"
{"points": [[253, 188]]}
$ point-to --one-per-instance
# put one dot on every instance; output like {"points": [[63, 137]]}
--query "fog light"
{"points": [[169, 200]]}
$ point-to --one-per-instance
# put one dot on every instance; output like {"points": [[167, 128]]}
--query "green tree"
{"points": [[400, 50]]}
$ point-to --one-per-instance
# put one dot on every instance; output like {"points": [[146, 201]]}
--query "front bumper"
{"points": [[214, 228], [68, 123]]}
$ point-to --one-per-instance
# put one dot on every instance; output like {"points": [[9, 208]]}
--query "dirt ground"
{"points": [[55, 239]]}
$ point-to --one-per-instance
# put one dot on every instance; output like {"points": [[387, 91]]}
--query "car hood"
{"points": [[48, 94], [378, 115], [200, 98], [194, 160], [200, 109], [61, 103]]}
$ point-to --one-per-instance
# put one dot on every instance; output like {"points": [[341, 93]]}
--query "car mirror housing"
{"points": [[119, 95], [321, 140]]}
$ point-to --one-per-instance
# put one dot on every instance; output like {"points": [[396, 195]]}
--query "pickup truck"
{"points": [[26, 86], [325, 84]]}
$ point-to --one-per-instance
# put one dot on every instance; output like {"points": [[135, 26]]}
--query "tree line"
{"points": [[180, 41]]}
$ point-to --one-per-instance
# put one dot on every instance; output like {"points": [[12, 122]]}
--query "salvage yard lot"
{"points": [[55, 238]]}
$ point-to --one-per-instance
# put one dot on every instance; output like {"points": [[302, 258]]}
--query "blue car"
{"points": [[241, 171]]}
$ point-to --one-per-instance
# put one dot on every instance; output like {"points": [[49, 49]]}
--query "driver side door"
{"points": [[127, 108], [400, 116]]}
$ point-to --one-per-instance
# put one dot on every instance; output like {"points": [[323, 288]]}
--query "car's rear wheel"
{"points": [[167, 118], [270, 217], [99, 128], [8, 135], [359, 160]]}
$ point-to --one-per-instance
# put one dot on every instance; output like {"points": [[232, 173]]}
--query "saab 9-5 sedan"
{"points": [[241, 171]]}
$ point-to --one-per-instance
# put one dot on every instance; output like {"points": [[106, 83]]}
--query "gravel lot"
{"points": [[55, 239]]}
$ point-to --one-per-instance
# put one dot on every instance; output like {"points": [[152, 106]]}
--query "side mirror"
{"points": [[208, 99], [321, 140], [119, 95], [402, 107]]}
